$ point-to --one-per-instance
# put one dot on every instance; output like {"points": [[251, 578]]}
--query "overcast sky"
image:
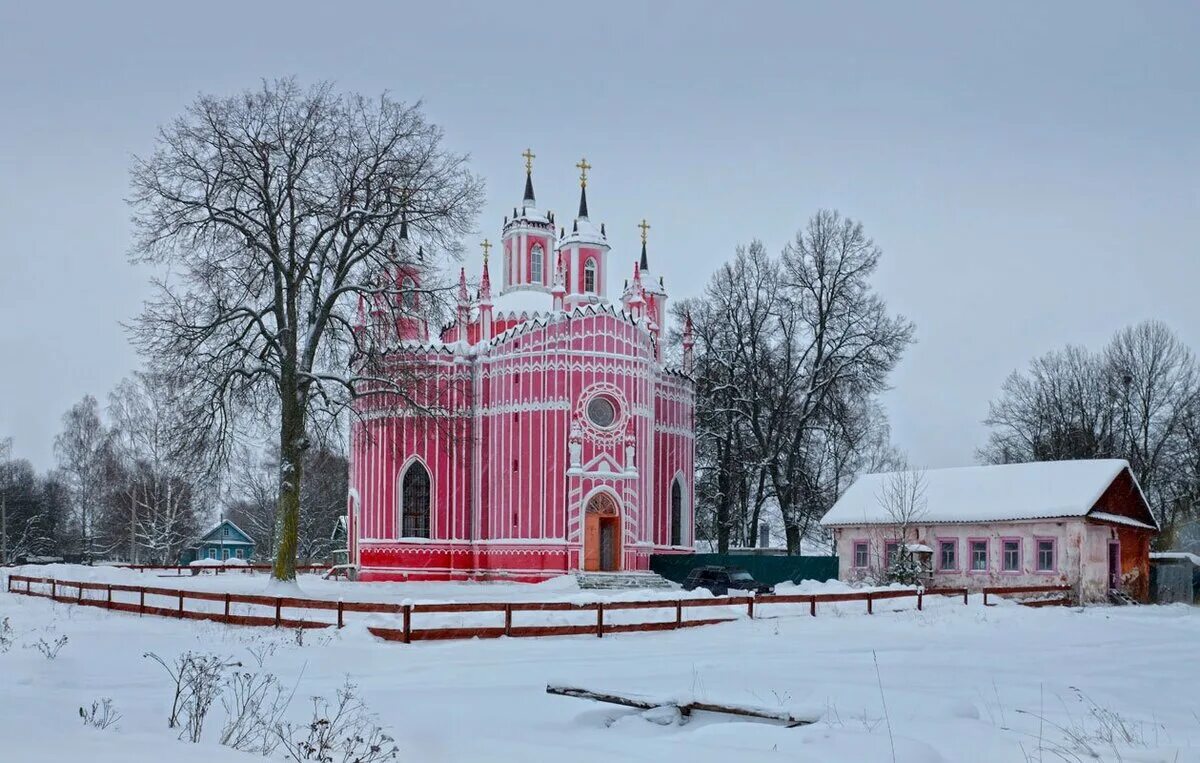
{"points": [[1030, 171]]}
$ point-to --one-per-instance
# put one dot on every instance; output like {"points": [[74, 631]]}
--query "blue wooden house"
{"points": [[224, 541]]}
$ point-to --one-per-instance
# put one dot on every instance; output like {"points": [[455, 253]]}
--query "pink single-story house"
{"points": [[1082, 523]]}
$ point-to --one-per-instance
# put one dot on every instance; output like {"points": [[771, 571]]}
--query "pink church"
{"points": [[563, 441]]}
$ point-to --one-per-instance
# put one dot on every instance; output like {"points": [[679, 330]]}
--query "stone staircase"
{"points": [[610, 581]]}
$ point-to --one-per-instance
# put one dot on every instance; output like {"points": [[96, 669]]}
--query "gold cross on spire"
{"points": [[583, 168], [645, 226], [529, 157], [487, 247]]}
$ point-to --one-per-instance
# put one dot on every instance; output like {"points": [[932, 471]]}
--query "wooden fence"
{"points": [[102, 595], [248, 568]]}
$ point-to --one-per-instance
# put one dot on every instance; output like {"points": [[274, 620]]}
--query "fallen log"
{"points": [[685, 708]]}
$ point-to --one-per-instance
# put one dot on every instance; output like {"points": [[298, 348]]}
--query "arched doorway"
{"points": [[602, 534]]}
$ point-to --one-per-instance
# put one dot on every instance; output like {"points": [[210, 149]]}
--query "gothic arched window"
{"points": [[676, 513], [408, 293], [589, 275], [414, 502], [535, 264]]}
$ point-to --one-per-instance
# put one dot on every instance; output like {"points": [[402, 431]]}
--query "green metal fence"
{"points": [[765, 569]]}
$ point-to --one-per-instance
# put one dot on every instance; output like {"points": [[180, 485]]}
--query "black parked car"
{"points": [[722, 580]]}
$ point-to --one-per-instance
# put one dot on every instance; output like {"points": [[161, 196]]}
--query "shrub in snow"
{"points": [[50, 649], [197, 680], [254, 705], [6, 635], [101, 715], [340, 731]]}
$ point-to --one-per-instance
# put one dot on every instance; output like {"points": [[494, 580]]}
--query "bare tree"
{"points": [[84, 450], [791, 354], [1136, 399], [902, 496], [278, 210], [164, 470]]}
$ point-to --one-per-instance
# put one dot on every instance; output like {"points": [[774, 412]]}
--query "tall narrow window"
{"points": [[408, 294], [676, 514], [535, 264], [589, 275], [414, 502]]}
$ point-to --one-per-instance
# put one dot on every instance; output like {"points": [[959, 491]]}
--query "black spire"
{"points": [[575, 227], [404, 229], [645, 263], [583, 203], [529, 201]]}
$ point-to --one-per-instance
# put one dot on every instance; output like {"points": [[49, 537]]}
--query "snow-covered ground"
{"points": [[959, 683]]}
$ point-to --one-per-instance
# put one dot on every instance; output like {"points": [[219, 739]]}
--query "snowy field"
{"points": [[959, 683]]}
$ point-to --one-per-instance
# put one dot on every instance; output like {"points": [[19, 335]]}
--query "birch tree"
{"points": [[273, 213], [84, 450]]}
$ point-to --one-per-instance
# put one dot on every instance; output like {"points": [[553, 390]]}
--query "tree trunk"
{"points": [[292, 442], [793, 539]]}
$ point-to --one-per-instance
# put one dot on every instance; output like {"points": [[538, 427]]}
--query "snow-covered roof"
{"points": [[522, 302], [204, 536], [1175, 556], [1104, 516], [999, 492], [583, 232]]}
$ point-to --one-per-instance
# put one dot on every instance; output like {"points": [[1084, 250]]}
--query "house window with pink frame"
{"points": [[947, 555], [889, 552], [861, 554], [1010, 557], [1047, 552], [979, 555]]}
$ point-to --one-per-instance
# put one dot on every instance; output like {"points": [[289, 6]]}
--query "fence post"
{"points": [[678, 614], [341, 616], [278, 611], [407, 623], [53, 589], [920, 598], [600, 620], [750, 608], [10, 583], [870, 610], [181, 605], [141, 601], [965, 594], [226, 606], [109, 603], [812, 606], [79, 597], [985, 597], [508, 619]]}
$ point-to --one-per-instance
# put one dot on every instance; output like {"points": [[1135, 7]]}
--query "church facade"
{"points": [[561, 440]]}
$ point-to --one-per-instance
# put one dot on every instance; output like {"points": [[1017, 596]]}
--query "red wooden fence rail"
{"points": [[59, 589]]}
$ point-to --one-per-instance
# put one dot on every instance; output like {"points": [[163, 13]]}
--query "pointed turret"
{"points": [[527, 242], [558, 288], [485, 296], [637, 297], [583, 170]]}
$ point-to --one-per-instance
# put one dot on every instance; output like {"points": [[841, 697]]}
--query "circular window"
{"points": [[601, 412]]}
